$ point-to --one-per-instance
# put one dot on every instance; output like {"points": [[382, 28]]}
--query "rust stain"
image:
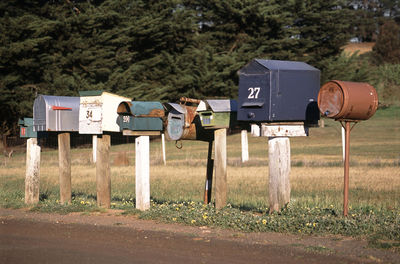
{"points": [[189, 100], [154, 113]]}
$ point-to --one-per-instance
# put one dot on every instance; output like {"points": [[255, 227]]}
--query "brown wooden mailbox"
{"points": [[342, 100]]}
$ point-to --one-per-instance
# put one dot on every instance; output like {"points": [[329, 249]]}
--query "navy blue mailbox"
{"points": [[278, 91], [139, 117]]}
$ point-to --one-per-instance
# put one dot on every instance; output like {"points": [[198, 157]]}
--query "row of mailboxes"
{"points": [[95, 112], [270, 91]]}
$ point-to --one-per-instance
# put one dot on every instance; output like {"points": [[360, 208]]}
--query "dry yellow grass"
{"points": [[316, 175], [360, 47]]}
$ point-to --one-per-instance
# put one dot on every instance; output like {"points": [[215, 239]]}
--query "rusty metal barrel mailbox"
{"points": [[342, 100], [347, 102]]}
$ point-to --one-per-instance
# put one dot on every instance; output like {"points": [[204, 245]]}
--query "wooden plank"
{"points": [[32, 176], [163, 148], [94, 148], [245, 146], [64, 166], [284, 130], [142, 170], [279, 170], [220, 168], [126, 132], [103, 179], [255, 130]]}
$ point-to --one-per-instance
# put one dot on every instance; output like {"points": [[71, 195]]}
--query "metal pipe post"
{"points": [[210, 167], [346, 169]]}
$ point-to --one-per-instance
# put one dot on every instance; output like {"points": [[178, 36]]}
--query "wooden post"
{"points": [[32, 176], [94, 147], [142, 169], [163, 148], [210, 167], [245, 146], [279, 170], [64, 166], [220, 168], [103, 174]]}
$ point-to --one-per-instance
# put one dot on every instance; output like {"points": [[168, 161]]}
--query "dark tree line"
{"points": [[154, 50]]}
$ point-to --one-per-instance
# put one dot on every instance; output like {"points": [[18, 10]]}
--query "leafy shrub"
{"points": [[387, 82], [347, 68], [387, 47]]}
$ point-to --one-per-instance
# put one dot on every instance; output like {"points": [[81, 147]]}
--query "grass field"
{"points": [[316, 179]]}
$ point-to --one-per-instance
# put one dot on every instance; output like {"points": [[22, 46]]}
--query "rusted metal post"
{"points": [[346, 169], [210, 167]]}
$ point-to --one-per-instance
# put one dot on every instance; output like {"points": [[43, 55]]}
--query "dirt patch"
{"points": [[118, 231]]}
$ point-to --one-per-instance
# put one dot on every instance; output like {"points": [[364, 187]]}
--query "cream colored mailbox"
{"points": [[98, 112]]}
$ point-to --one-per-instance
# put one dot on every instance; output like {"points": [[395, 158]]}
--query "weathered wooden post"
{"points": [[279, 170], [245, 146], [279, 160], [94, 148], [64, 165], [32, 176], [142, 171], [103, 173], [220, 168], [163, 148]]}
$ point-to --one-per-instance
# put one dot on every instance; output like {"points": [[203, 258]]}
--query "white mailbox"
{"points": [[98, 112]]}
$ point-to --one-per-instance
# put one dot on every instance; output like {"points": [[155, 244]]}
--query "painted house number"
{"points": [[254, 91], [125, 119]]}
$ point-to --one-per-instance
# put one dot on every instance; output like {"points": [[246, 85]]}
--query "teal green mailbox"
{"points": [[26, 128], [215, 114], [138, 118]]}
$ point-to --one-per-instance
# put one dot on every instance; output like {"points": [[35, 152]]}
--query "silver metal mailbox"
{"points": [[56, 113]]}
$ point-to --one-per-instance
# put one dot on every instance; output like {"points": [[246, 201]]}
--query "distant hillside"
{"points": [[360, 47]]}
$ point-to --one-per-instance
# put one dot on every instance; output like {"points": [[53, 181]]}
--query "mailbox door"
{"points": [[91, 115], [207, 119], [254, 97], [175, 124]]}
